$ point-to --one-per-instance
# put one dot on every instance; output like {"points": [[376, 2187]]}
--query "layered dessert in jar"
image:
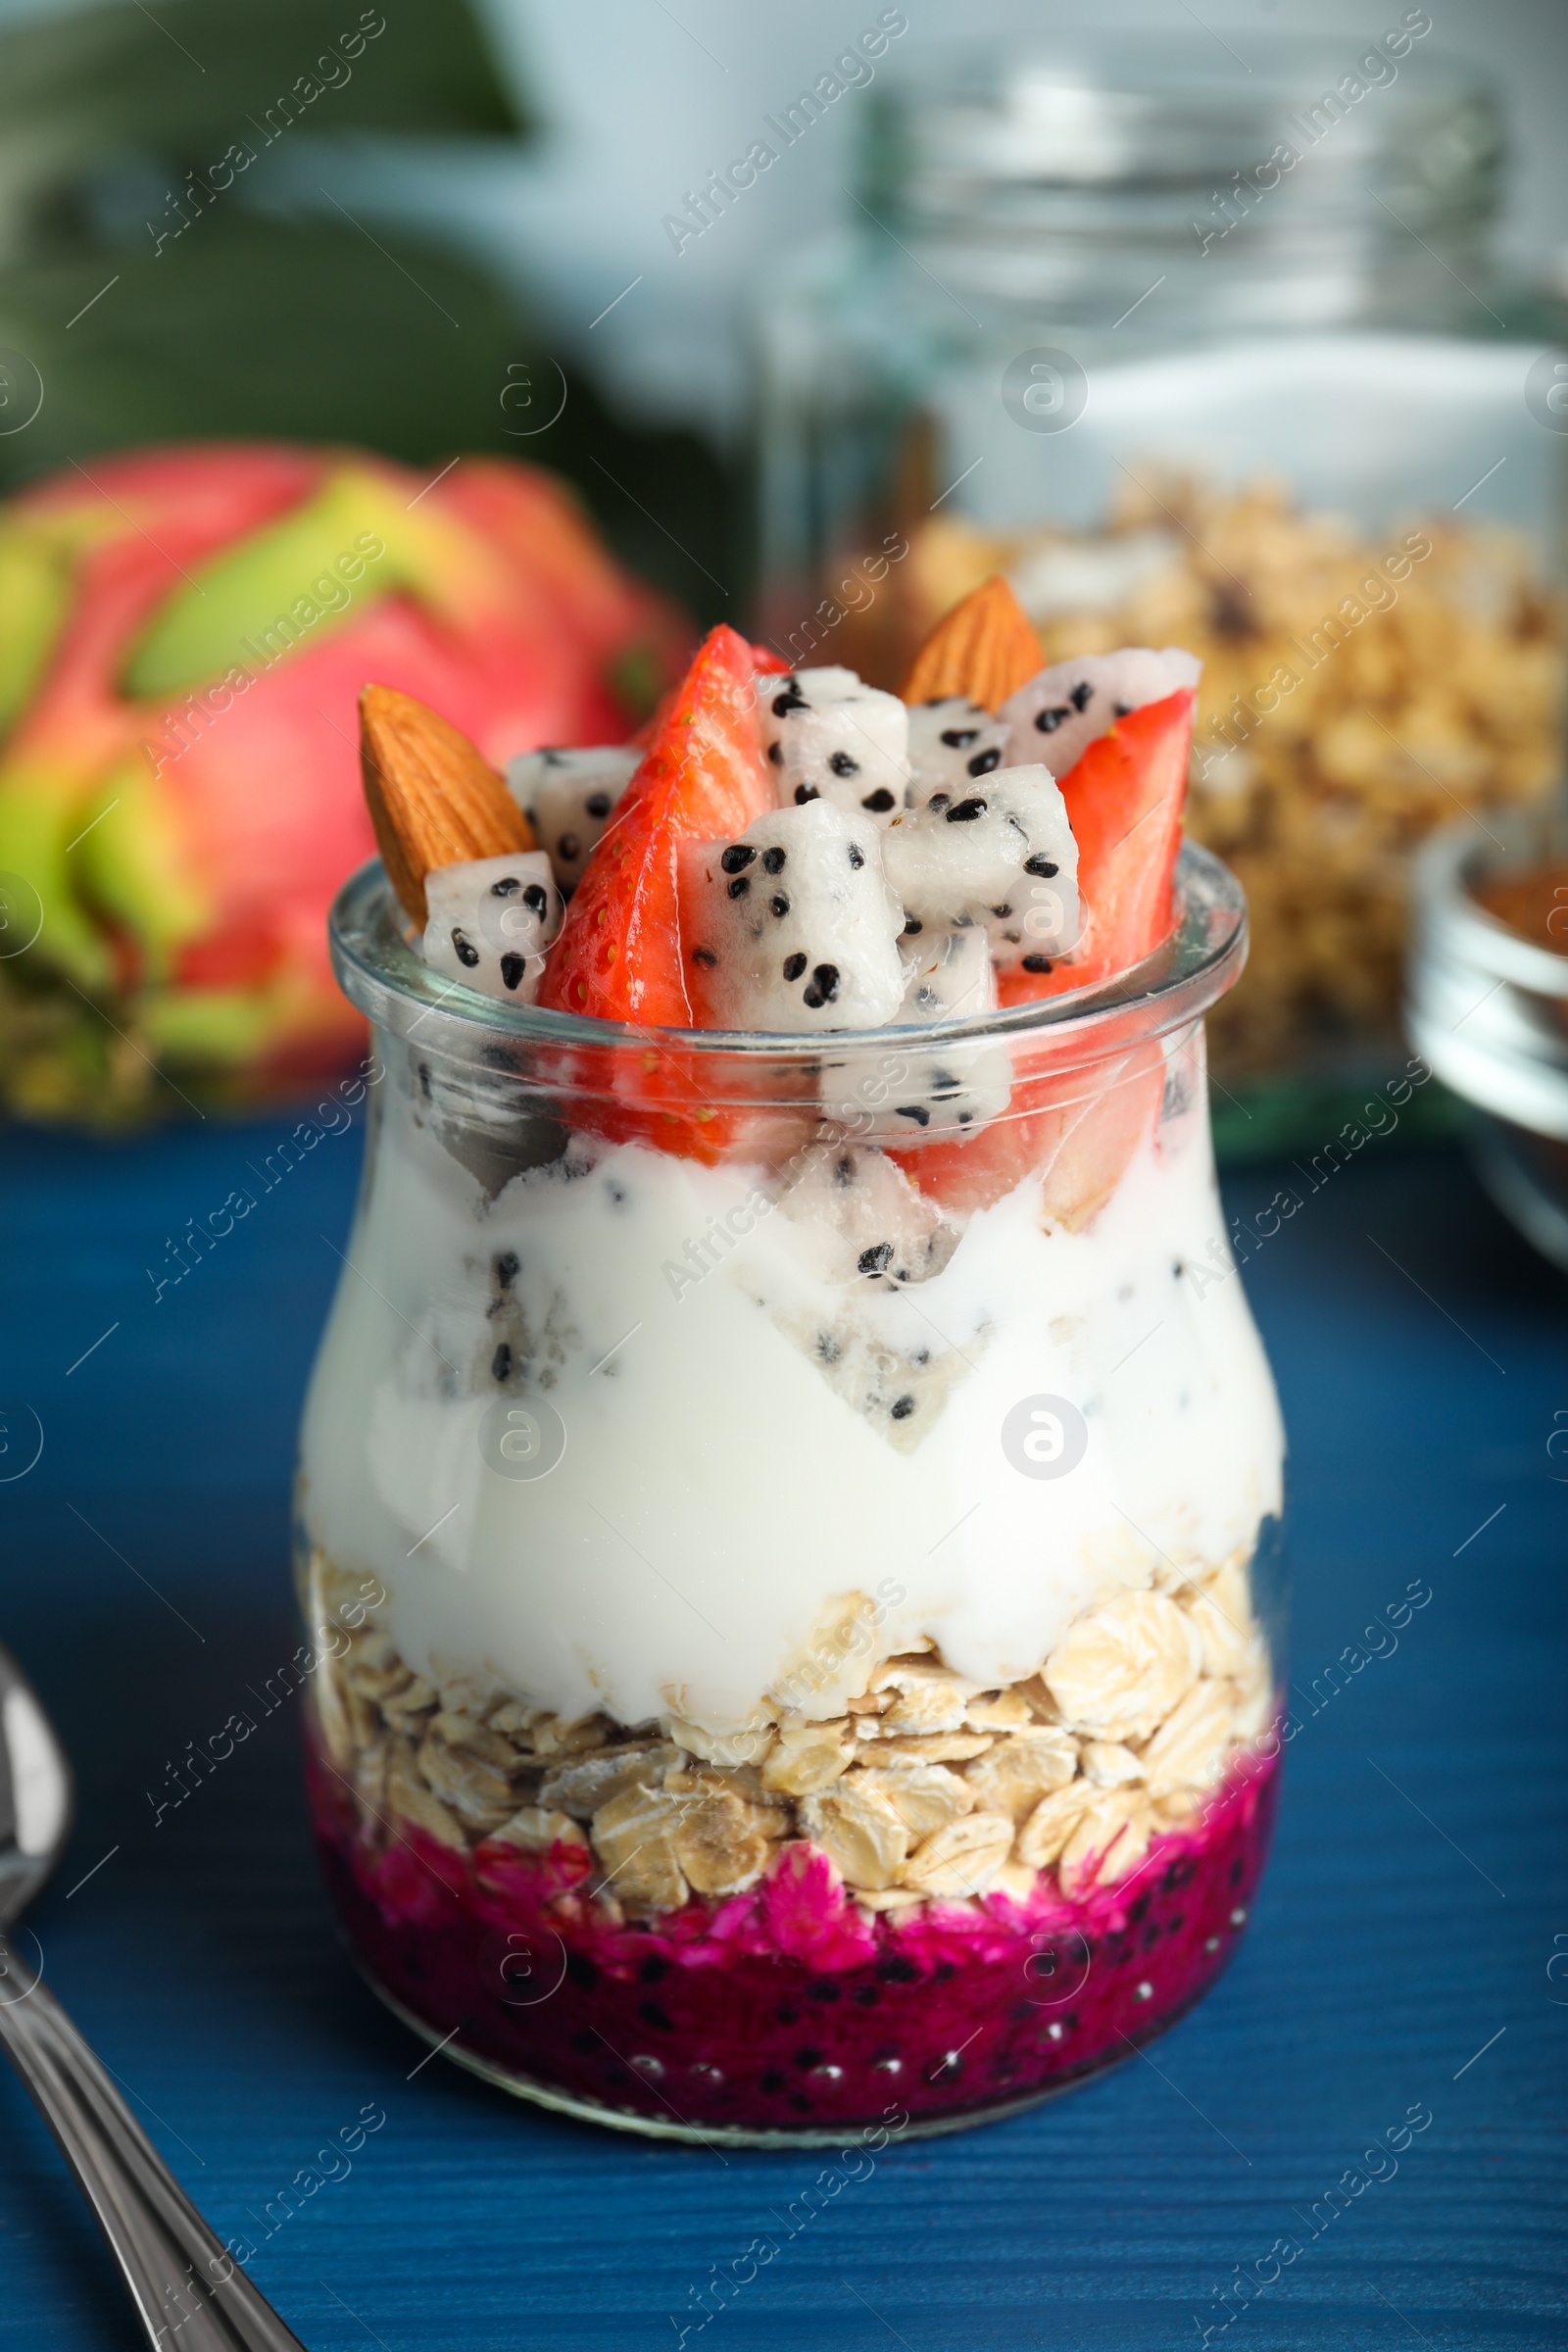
{"points": [[787, 1487]]}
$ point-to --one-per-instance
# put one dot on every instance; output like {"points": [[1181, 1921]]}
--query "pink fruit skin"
{"points": [[514, 646], [782, 2009]]}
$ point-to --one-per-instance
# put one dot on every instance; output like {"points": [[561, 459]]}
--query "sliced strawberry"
{"points": [[702, 778], [1124, 802], [1077, 1131], [766, 663], [618, 956]]}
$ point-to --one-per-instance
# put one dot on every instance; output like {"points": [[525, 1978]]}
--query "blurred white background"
{"points": [[643, 97], [639, 99]]}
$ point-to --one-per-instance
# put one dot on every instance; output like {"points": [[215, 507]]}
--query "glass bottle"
{"points": [[1206, 352]]}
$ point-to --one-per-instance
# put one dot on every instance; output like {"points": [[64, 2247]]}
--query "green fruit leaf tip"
{"points": [[34, 815], [131, 865], [36, 572], [205, 1026], [283, 586]]}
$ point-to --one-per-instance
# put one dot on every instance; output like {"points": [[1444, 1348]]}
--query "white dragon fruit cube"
{"points": [[1003, 857], [947, 977], [909, 1089], [831, 738], [952, 742], [792, 927], [567, 796], [946, 1092], [489, 921], [865, 1238], [919, 1090], [858, 1221], [1061, 711], [1041, 916]]}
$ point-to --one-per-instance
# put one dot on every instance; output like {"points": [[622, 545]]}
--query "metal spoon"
{"points": [[189, 2294]]}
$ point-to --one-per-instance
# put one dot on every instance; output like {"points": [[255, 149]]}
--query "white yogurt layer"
{"points": [[718, 1493]]}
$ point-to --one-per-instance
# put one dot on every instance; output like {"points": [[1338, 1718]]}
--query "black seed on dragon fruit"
{"points": [[861, 1221], [821, 954], [567, 796], [983, 858], [953, 1093], [1058, 714], [834, 739], [952, 742], [490, 921], [863, 1231], [907, 1090]]}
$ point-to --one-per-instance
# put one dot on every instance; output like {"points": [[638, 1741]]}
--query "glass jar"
{"points": [[1204, 352], [797, 1621], [1487, 1007]]}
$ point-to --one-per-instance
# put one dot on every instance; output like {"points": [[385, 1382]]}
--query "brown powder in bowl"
{"points": [[1534, 904]]}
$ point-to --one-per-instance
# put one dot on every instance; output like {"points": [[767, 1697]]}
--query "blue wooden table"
{"points": [[1402, 1956]]}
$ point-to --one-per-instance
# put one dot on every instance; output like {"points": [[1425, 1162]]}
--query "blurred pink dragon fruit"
{"points": [[183, 636]]}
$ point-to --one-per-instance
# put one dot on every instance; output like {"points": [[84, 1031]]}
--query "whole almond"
{"points": [[985, 648], [433, 800]]}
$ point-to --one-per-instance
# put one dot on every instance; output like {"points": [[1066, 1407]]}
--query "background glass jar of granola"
{"points": [[1213, 358]]}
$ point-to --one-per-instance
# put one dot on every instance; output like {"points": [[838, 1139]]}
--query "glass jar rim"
{"points": [[1090, 112], [380, 970], [1486, 1008], [1454, 921]]}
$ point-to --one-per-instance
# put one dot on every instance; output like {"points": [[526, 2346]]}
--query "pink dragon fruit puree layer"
{"points": [[785, 2008]]}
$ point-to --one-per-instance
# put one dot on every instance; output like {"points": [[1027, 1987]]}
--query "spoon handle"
{"points": [[189, 2294]]}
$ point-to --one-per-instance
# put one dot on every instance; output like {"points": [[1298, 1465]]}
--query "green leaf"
{"points": [[189, 77], [252, 327]]}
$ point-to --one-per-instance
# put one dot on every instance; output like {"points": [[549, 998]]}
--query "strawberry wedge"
{"points": [[618, 956], [1124, 802], [1077, 1130], [766, 663], [703, 777]]}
